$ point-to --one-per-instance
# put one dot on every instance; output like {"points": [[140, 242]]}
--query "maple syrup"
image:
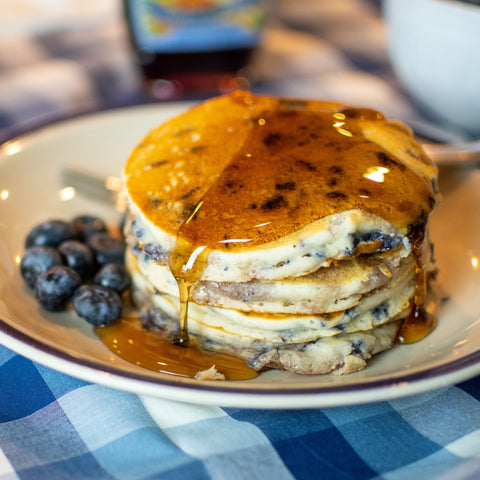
{"points": [[419, 322], [416, 326], [156, 351], [184, 287], [318, 170]]}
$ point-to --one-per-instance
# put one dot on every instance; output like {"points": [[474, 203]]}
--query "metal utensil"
{"points": [[459, 154], [104, 189]]}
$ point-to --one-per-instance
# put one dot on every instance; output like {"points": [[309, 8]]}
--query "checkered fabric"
{"points": [[56, 427], [59, 58], [72, 56]]}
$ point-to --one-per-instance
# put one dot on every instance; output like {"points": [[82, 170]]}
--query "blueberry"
{"points": [[156, 319], [358, 346], [114, 276], [154, 252], [78, 256], [137, 230], [87, 225], [55, 288], [380, 311], [97, 304], [107, 249], [37, 260], [50, 233], [388, 241]]}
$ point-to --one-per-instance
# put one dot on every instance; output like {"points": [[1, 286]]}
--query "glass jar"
{"points": [[193, 48]]}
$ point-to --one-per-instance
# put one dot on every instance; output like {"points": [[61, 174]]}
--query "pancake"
{"points": [[236, 327], [295, 230], [173, 168], [309, 344], [326, 290]]}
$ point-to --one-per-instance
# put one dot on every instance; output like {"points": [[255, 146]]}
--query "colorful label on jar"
{"points": [[196, 25]]}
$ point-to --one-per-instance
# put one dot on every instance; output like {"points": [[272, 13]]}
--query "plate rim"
{"points": [[325, 395], [407, 384]]}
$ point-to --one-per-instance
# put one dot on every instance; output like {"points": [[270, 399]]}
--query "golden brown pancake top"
{"points": [[241, 170]]}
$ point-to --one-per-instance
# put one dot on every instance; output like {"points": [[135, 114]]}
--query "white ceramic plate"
{"points": [[31, 191]]}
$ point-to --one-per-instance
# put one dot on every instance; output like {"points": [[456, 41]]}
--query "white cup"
{"points": [[434, 48]]}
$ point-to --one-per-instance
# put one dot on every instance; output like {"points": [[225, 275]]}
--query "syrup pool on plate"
{"points": [[156, 351]]}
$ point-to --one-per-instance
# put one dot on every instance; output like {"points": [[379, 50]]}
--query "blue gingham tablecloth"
{"points": [[59, 58], [56, 427]]}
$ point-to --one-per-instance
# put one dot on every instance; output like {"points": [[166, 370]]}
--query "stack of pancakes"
{"points": [[300, 228]]}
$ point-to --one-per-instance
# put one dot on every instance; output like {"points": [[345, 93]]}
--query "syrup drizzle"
{"points": [[419, 322], [182, 338], [323, 165]]}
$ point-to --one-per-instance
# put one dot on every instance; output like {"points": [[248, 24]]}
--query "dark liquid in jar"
{"points": [[191, 75], [187, 74]]}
